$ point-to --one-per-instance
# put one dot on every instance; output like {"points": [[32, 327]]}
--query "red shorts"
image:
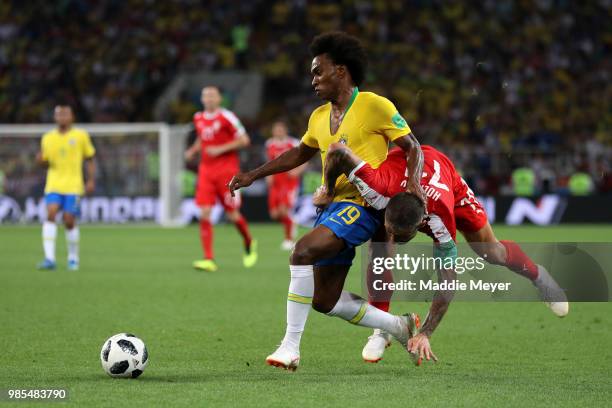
{"points": [[470, 215], [451, 204], [282, 195], [213, 186]]}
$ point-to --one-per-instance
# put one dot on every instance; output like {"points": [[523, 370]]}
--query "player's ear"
{"points": [[423, 222], [341, 71]]}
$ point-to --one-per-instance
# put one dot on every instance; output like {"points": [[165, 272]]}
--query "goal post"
{"points": [[142, 147]]}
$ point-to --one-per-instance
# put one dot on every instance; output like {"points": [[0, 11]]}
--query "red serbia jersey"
{"points": [[275, 148], [215, 129], [451, 204]]}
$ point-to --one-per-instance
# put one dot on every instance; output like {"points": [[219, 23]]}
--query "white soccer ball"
{"points": [[124, 355]]}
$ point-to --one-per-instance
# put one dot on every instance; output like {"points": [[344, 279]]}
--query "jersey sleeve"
{"points": [[236, 127], [309, 138], [386, 120], [88, 149]]}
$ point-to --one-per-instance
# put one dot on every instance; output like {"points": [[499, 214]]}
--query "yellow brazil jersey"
{"points": [[370, 123], [65, 153]]}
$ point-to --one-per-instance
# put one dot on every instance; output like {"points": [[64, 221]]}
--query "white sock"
{"points": [[299, 302], [72, 239], [49, 233], [356, 310]]}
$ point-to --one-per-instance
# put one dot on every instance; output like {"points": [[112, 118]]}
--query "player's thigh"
{"points": [[231, 204], [205, 192], [328, 284], [485, 243], [318, 244], [54, 203], [52, 210]]}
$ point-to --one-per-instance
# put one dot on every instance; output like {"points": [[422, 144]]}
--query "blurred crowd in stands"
{"points": [[498, 86]]}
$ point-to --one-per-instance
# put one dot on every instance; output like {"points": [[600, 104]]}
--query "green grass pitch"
{"points": [[209, 333]]}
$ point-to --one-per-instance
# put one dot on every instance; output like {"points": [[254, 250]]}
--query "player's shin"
{"points": [[518, 261], [49, 234], [206, 237], [299, 301], [356, 310], [72, 239], [243, 229], [288, 226]]}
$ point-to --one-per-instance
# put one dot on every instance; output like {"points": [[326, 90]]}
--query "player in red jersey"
{"points": [[219, 137], [283, 187], [451, 206]]}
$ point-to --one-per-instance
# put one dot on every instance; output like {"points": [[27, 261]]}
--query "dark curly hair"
{"points": [[342, 49]]}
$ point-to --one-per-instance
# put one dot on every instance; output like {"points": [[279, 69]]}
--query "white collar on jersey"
{"points": [[210, 115]]}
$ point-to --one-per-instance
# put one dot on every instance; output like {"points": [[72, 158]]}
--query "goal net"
{"points": [[140, 173]]}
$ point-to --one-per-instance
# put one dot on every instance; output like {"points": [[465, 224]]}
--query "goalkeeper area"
{"points": [[209, 333]]}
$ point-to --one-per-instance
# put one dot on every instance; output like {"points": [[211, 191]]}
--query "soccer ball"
{"points": [[124, 355]]}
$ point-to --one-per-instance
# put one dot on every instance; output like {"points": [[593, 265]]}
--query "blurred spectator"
{"points": [[523, 181], [486, 82], [580, 184]]}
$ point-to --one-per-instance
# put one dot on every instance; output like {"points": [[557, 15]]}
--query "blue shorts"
{"points": [[68, 203], [352, 223]]}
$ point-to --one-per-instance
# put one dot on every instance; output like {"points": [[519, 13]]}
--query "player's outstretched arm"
{"points": [[286, 161], [193, 149], [41, 160], [419, 344], [414, 158]]}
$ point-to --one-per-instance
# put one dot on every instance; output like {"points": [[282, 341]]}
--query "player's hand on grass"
{"points": [[90, 186], [321, 198], [419, 346], [238, 181]]}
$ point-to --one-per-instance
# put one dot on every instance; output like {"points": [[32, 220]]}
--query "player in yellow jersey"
{"points": [[63, 151], [320, 261]]}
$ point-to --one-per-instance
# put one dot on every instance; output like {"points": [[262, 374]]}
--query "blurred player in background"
{"points": [[219, 137], [283, 187], [451, 206], [63, 150]]}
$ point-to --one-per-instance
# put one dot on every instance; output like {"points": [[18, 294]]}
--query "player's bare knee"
{"points": [[233, 216], [205, 213], [322, 305], [51, 214], [302, 254]]}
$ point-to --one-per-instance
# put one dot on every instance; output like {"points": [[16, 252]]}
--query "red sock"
{"points": [[243, 228], [518, 261], [384, 306], [379, 299], [288, 224], [206, 237]]}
